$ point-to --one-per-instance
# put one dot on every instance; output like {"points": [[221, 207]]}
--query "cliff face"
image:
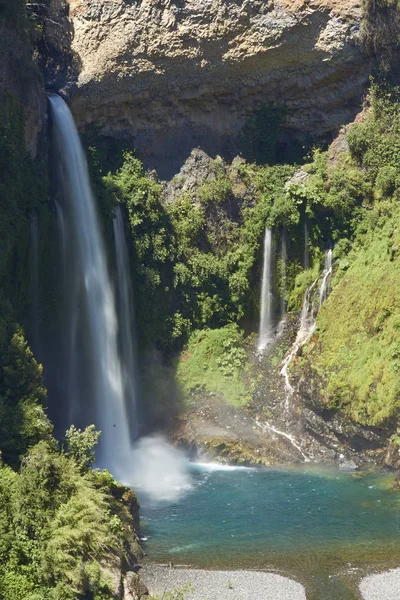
{"points": [[178, 74], [20, 81]]}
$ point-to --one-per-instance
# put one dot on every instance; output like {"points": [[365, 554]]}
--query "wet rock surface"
{"points": [[276, 430]]}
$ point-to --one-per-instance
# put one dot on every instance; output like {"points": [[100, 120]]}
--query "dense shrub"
{"points": [[56, 528]]}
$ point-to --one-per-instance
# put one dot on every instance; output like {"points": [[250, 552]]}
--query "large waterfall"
{"points": [[96, 376], [266, 321], [126, 317], [98, 371]]}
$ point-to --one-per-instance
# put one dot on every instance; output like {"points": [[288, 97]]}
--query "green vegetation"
{"points": [[214, 361], [193, 258], [56, 529], [355, 351], [22, 419], [61, 524], [23, 186]]}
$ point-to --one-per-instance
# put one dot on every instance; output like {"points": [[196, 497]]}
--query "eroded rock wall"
{"points": [[173, 75]]}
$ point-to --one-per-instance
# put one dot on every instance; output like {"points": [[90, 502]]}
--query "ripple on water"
{"points": [[240, 515]]}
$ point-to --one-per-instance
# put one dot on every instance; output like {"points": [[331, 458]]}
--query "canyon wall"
{"points": [[20, 81], [173, 75]]}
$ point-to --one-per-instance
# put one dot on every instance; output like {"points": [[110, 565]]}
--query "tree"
{"points": [[79, 445]]}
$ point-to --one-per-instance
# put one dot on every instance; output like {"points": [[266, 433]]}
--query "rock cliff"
{"points": [[20, 81], [173, 75]]}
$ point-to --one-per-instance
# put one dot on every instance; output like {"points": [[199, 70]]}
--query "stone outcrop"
{"points": [[176, 74]]}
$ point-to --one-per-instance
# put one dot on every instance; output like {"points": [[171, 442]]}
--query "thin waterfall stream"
{"points": [[283, 274], [308, 322], [266, 323]]}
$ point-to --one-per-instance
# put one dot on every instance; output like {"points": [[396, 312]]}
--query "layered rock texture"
{"points": [[172, 75]]}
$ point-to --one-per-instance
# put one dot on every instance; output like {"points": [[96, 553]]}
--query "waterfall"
{"points": [[126, 312], [93, 319], [265, 331], [327, 272], [34, 276], [70, 285], [308, 321], [62, 231]]}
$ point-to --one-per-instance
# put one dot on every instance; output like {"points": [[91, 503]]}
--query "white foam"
{"points": [[159, 471], [214, 466]]}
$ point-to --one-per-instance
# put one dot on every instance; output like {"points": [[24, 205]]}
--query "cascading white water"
{"points": [[34, 267], [95, 386], [266, 323], [308, 322], [327, 273], [126, 312], [94, 295], [282, 322]]}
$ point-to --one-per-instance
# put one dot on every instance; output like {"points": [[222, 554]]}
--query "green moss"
{"points": [[214, 360], [357, 353]]}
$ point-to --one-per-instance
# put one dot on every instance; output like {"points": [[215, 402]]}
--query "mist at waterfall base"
{"points": [[94, 373]]}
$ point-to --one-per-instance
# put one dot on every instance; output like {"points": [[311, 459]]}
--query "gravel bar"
{"points": [[385, 586], [222, 585]]}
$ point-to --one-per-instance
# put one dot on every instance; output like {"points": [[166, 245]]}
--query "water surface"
{"points": [[311, 523]]}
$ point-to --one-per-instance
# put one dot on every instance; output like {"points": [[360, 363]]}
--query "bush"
{"points": [[386, 181], [56, 529], [79, 445]]}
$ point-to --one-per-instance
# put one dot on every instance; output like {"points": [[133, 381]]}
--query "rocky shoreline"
{"points": [[224, 585]]}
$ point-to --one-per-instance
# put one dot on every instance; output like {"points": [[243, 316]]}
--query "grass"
{"points": [[357, 352], [214, 361]]}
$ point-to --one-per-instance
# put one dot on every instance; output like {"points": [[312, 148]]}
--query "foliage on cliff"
{"points": [[22, 419], [59, 524], [213, 362], [23, 186], [56, 527], [355, 351], [193, 257]]}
